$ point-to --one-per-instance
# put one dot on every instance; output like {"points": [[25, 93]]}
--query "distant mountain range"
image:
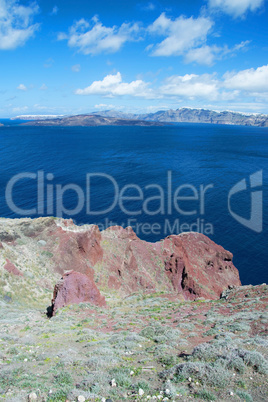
{"points": [[188, 115], [182, 115], [92, 120]]}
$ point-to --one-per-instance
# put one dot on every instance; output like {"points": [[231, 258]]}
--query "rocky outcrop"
{"points": [[199, 267], [190, 264], [76, 250], [74, 288], [114, 261]]}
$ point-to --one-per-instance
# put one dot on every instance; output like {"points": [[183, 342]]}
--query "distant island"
{"points": [[91, 120], [182, 115]]}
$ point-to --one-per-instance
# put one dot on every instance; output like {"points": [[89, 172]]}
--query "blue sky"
{"points": [[76, 56]]}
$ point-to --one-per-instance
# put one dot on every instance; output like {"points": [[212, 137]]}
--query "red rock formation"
{"points": [[74, 288], [77, 250], [207, 267], [190, 264], [12, 269]]}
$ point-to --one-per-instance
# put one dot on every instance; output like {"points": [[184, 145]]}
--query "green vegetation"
{"points": [[84, 349]]}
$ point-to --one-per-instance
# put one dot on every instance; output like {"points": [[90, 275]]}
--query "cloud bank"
{"points": [[16, 25], [251, 82], [113, 85]]}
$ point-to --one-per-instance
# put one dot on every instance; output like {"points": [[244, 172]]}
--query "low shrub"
{"points": [[206, 395], [244, 396], [255, 360], [208, 374]]}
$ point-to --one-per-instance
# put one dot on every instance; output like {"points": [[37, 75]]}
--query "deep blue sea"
{"points": [[159, 166]]}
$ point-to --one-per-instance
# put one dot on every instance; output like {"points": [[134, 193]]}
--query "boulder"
{"points": [[73, 288]]}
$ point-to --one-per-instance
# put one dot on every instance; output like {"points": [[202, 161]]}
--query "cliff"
{"points": [[37, 253]]}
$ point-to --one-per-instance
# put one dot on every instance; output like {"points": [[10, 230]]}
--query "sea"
{"points": [[160, 180]]}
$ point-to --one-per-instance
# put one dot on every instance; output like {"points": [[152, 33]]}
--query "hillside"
{"points": [[91, 120], [188, 115], [131, 320]]}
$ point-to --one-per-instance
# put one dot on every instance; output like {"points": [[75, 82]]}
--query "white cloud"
{"points": [[43, 87], [22, 87], [148, 7], [112, 85], [236, 8], [229, 87], [251, 80], [55, 10], [93, 37], [16, 23], [181, 34], [104, 106], [191, 86], [202, 55], [76, 68], [207, 55]]}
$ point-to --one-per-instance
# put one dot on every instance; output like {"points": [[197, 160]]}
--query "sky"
{"points": [[61, 57]]}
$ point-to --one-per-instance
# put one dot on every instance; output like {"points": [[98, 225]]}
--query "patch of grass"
{"points": [[64, 378], [206, 395], [241, 384], [244, 396], [169, 360], [10, 377], [58, 396], [13, 350]]}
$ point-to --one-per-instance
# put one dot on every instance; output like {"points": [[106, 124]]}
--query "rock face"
{"points": [[114, 261], [199, 267], [190, 264], [74, 288]]}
